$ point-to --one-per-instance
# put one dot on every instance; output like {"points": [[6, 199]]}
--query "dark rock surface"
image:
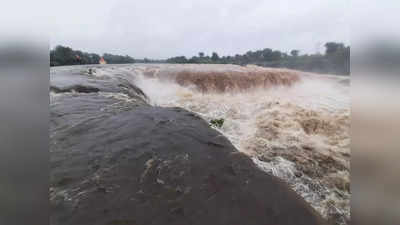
{"points": [[128, 163]]}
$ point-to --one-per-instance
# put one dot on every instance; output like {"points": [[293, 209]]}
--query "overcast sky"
{"points": [[165, 28]]}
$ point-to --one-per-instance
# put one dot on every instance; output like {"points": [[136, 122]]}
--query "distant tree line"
{"points": [[60, 56], [336, 59], [147, 60]]}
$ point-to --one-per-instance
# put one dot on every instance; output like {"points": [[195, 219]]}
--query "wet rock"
{"points": [[74, 88]]}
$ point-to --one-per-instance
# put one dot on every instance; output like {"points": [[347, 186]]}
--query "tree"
{"points": [[266, 54], [214, 57], [276, 55], [332, 47], [61, 55], [294, 53], [201, 54], [178, 59], [117, 59]]}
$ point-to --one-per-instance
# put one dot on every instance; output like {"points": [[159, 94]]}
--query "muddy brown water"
{"points": [[116, 158]]}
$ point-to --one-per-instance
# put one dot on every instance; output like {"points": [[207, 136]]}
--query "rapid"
{"points": [[293, 125], [296, 126]]}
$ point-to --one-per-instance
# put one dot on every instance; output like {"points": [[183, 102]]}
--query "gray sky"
{"points": [[161, 29]]}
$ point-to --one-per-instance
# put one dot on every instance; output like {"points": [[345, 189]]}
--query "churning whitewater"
{"points": [[294, 125]]}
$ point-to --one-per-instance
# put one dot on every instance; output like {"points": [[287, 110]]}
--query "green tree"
{"points": [[332, 47], [294, 53], [214, 57], [178, 59], [61, 55]]}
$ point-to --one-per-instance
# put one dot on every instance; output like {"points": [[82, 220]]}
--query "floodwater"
{"points": [[293, 125]]}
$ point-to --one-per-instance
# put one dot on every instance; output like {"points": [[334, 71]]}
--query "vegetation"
{"points": [[217, 122], [60, 56], [117, 59], [336, 59], [147, 60]]}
